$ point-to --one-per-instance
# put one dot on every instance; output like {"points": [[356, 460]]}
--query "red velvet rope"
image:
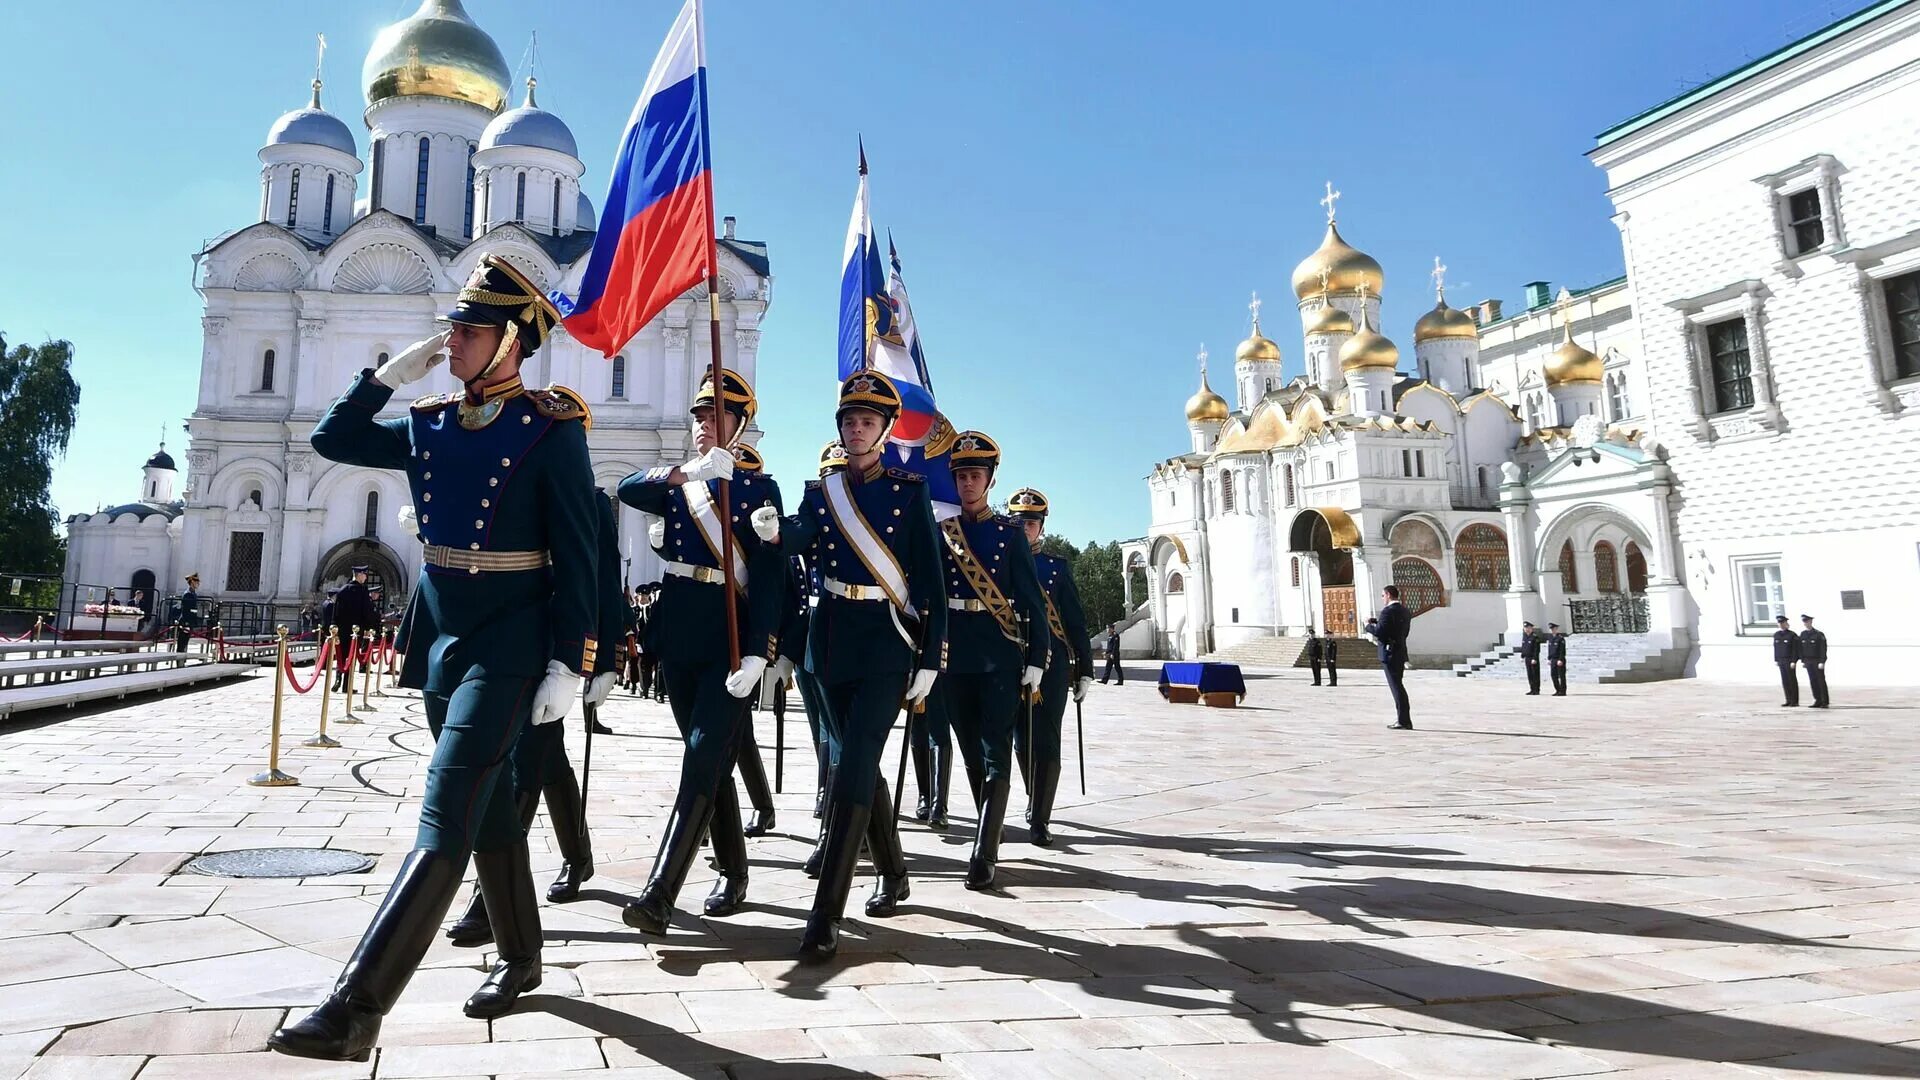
{"points": [[319, 669]]}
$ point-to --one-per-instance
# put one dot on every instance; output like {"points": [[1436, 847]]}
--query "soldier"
{"points": [[752, 768], [189, 620], [354, 614], [1813, 657], [1530, 656], [1557, 658], [1786, 652], [880, 630], [707, 696], [1113, 670], [500, 631], [805, 596], [1069, 669], [996, 653], [1330, 655], [1313, 654]]}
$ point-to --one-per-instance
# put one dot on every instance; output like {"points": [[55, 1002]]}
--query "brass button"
{"points": [[475, 545], [493, 481], [484, 503], [426, 455], [473, 569], [423, 519], [896, 512], [506, 463], [526, 419], [426, 476], [896, 487], [479, 524]]}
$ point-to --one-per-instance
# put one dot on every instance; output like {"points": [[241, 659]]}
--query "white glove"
{"points": [[1080, 688], [715, 464], [766, 524], [783, 670], [599, 688], [414, 361], [409, 521], [742, 683], [657, 533], [922, 685], [1031, 677], [556, 692]]}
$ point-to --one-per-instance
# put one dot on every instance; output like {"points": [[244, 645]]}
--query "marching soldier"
{"points": [[708, 699], [994, 661], [880, 631], [1786, 653], [1557, 658], [752, 768], [805, 595], [1069, 669], [1530, 656], [1813, 657], [500, 631]]}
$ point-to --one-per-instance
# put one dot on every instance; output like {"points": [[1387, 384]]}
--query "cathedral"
{"points": [[348, 260]]}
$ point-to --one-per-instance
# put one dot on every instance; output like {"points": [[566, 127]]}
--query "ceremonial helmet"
{"points": [[974, 450], [833, 456], [498, 294], [872, 391], [193, 579], [739, 394], [747, 459], [1027, 504]]}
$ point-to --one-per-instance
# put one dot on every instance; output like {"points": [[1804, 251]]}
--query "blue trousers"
{"points": [[863, 709], [710, 720], [1041, 746], [982, 708], [539, 757], [466, 807]]}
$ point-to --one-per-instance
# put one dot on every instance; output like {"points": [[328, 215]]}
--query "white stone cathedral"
{"points": [[331, 278]]}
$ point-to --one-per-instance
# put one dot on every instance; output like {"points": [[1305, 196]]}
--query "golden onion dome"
{"points": [[1257, 350], [438, 51], [1330, 319], [1347, 269], [1368, 349], [1572, 364], [1444, 322], [1205, 405]]}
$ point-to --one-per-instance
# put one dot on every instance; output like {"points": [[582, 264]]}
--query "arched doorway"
{"points": [[1329, 536], [141, 586], [383, 570]]}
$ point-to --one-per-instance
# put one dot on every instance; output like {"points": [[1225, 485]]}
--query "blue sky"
{"points": [[1083, 192]]}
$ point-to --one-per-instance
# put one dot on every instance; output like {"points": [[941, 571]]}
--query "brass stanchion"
{"points": [[320, 672], [379, 660], [273, 777], [345, 663], [366, 677]]}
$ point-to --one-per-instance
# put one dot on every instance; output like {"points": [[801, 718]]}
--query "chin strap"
{"points": [[476, 386]]}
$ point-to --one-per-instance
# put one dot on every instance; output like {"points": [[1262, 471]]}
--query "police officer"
{"points": [[1069, 668], [1813, 657], [1313, 654], [500, 631], [997, 648], [354, 614], [1786, 653], [1530, 656], [1557, 658], [189, 619], [880, 630], [1330, 655], [707, 696]]}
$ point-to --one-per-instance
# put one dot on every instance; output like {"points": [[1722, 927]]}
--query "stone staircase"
{"points": [[1286, 652], [1591, 658]]}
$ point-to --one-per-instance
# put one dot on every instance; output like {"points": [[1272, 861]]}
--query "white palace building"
{"points": [[1728, 433], [350, 259]]}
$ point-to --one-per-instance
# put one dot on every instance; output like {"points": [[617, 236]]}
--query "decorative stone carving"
{"points": [[199, 461], [384, 268], [299, 463], [269, 272], [675, 339], [746, 341], [311, 329], [212, 325]]}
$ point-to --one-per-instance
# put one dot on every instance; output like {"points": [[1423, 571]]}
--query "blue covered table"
{"points": [[1219, 685]]}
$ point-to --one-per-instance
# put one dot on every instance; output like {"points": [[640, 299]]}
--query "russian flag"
{"points": [[656, 232]]}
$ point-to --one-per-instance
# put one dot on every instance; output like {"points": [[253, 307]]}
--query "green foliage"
{"points": [[38, 404], [1096, 573]]}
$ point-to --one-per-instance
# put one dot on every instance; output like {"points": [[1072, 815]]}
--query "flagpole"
{"points": [[713, 325]]}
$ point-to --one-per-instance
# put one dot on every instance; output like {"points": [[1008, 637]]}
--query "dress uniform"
{"points": [[707, 697], [1069, 670], [996, 655], [1557, 658], [752, 768], [189, 619], [1313, 654], [1530, 656], [500, 631], [1330, 656], [804, 595], [880, 629], [1813, 657], [1786, 653]]}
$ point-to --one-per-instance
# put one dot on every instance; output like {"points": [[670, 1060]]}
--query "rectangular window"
{"points": [[379, 170], [1903, 315], [1803, 221], [1731, 369], [466, 228], [243, 561], [420, 184], [1762, 597], [1406, 463], [293, 198], [1420, 464], [326, 214]]}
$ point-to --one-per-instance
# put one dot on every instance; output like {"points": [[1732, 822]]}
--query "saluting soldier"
{"points": [[500, 631], [1069, 668], [1786, 653], [996, 652], [880, 631], [1557, 658], [1813, 657], [1530, 656], [707, 696]]}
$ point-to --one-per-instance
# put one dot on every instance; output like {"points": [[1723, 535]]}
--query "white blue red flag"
{"points": [[656, 231]]}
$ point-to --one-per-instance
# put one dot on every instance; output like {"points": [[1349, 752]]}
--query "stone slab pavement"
{"points": [[1669, 880]]}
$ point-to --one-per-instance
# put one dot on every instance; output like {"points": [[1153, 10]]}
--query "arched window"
{"points": [[1618, 407], [1411, 537], [1533, 412], [379, 170], [1226, 492], [1287, 477], [254, 499], [1636, 569], [1480, 559], [266, 372], [1484, 478], [520, 198], [326, 213], [555, 227], [619, 390], [293, 198], [486, 197], [371, 527], [1606, 569], [1296, 571], [1569, 571], [466, 228], [1419, 584], [1176, 584], [420, 184], [378, 360]]}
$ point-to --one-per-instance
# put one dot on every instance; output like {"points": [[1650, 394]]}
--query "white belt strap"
{"points": [[873, 552], [713, 529]]}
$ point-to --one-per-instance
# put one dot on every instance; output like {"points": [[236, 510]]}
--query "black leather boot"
{"points": [[883, 842], [345, 1025], [986, 842], [942, 762], [1046, 784], [819, 780], [472, 928], [506, 880], [922, 780], [653, 909], [753, 776], [570, 836], [812, 866], [729, 854], [847, 829]]}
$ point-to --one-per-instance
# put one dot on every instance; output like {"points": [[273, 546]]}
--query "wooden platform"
{"points": [[52, 669], [48, 695], [51, 647]]}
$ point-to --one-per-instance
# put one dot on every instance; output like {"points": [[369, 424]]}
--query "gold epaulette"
{"points": [[434, 402], [903, 474], [562, 403]]}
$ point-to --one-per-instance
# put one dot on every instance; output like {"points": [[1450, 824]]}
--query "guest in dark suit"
{"points": [[1389, 628]]}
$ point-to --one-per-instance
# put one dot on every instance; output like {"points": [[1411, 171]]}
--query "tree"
{"points": [[1096, 573], [38, 403]]}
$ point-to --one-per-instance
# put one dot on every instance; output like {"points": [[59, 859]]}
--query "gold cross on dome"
{"points": [[1254, 307], [1565, 304], [1332, 197], [1203, 360], [1439, 278]]}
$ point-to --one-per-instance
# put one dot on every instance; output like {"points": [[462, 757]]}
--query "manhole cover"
{"points": [[279, 862]]}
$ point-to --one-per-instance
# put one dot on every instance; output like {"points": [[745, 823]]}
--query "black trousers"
{"points": [[1333, 673], [1789, 682], [1396, 685], [1533, 674], [1817, 681], [1112, 670], [1315, 664], [1558, 668]]}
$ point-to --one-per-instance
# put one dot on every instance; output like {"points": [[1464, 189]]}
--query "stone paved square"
{"points": [[1671, 879]]}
